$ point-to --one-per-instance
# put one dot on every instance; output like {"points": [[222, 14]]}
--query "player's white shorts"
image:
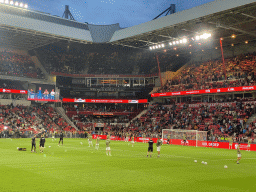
{"points": [[108, 148], [53, 137], [97, 144], [238, 155], [158, 148], [248, 145], [230, 144], [132, 141]]}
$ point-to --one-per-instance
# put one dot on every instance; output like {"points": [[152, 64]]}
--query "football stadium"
{"points": [[165, 105]]}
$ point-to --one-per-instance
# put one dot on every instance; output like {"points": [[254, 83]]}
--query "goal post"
{"points": [[176, 137]]}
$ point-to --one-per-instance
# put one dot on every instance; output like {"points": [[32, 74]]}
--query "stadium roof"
{"points": [[25, 29], [221, 17]]}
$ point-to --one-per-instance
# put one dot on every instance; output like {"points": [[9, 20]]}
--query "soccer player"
{"points": [[158, 145], [249, 144], [132, 140], [127, 137], [53, 138], [90, 140], [184, 139], [168, 139], [61, 137], [238, 153], [144, 138], [33, 142], [42, 142], [97, 143], [230, 142], [108, 152], [150, 147]]}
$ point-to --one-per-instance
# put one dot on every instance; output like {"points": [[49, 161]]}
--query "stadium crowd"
{"points": [[219, 119], [237, 71], [13, 64], [30, 120]]}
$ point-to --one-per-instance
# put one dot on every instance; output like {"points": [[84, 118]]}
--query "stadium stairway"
{"points": [[62, 112], [35, 59], [168, 75], [251, 119], [139, 115]]}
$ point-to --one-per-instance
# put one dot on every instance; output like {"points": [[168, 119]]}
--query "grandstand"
{"points": [[81, 68], [191, 70]]}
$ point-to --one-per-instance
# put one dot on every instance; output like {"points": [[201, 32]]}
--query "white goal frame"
{"points": [[186, 131]]}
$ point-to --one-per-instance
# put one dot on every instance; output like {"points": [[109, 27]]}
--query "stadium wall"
{"points": [[14, 102]]}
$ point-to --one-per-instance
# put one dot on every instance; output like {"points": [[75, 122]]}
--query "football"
{"points": [[195, 161], [225, 166], [205, 163], [202, 162]]}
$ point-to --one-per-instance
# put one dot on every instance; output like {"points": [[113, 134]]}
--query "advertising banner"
{"points": [[221, 145], [13, 91], [205, 91], [67, 100]]}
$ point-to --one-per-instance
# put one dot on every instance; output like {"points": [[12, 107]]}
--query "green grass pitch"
{"points": [[76, 167]]}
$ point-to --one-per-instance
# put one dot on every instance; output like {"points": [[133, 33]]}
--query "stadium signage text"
{"points": [[205, 91], [13, 91], [66, 100]]}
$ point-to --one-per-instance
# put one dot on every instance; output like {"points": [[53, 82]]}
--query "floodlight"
{"points": [[11, 2], [177, 42], [173, 42], [150, 48], [177, 55], [1, 1], [21, 4], [16, 3], [162, 45], [197, 37], [6, 1], [184, 40], [181, 41], [170, 43], [5, 127], [246, 42], [26, 6], [153, 47]]}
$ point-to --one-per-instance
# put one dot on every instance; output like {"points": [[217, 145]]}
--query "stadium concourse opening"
{"points": [[152, 101]]}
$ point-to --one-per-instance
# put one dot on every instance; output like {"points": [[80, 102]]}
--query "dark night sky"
{"points": [[103, 12]]}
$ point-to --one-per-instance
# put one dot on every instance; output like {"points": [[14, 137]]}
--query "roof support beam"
{"points": [[248, 16]]}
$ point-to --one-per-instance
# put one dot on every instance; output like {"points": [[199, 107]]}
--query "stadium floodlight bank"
{"points": [[176, 137]]}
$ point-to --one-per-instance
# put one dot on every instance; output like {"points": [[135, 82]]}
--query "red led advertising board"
{"points": [[205, 91]]}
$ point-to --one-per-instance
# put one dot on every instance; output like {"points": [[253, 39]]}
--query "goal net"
{"points": [[177, 136]]}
